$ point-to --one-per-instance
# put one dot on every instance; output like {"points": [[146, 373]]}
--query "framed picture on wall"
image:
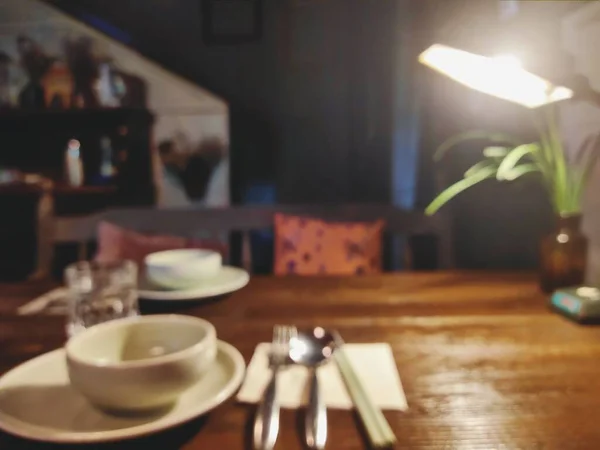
{"points": [[231, 21]]}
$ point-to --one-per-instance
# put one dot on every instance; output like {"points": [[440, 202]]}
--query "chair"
{"points": [[214, 222]]}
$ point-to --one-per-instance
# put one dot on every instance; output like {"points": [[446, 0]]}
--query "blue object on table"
{"points": [[579, 303], [261, 241]]}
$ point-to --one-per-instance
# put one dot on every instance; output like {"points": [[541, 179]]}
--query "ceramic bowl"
{"points": [[140, 363], [181, 269]]}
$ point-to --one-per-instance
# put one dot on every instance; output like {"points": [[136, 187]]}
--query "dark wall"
{"points": [[311, 101], [324, 105]]}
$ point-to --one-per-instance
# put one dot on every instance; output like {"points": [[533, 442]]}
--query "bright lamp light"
{"points": [[501, 76]]}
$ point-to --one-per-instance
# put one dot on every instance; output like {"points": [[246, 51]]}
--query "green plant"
{"points": [[564, 179]]}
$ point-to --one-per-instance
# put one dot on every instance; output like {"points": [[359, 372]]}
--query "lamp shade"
{"points": [[502, 77]]}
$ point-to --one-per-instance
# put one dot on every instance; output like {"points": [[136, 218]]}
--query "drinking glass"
{"points": [[99, 292]]}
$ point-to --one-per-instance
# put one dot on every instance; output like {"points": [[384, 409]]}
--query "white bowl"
{"points": [[140, 363], [181, 269]]}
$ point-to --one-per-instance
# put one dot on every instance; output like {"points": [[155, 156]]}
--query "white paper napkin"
{"points": [[52, 302], [374, 365]]}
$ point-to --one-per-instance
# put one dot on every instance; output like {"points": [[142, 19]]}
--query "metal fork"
{"points": [[266, 422]]}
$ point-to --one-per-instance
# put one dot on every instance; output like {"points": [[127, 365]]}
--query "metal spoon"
{"points": [[311, 349]]}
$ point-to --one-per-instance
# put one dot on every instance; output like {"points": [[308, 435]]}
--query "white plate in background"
{"points": [[228, 280]]}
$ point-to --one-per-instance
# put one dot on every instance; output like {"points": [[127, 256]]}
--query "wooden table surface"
{"points": [[483, 362]]}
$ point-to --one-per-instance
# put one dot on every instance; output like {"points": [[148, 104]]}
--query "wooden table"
{"points": [[484, 364]]}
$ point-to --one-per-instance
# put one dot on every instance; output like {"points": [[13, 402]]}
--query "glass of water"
{"points": [[99, 292]]}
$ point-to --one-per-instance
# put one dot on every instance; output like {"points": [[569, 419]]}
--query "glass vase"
{"points": [[563, 255]]}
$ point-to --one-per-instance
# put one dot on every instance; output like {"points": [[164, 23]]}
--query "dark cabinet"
{"points": [[35, 142]]}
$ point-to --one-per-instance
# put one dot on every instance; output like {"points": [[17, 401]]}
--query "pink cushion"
{"points": [[306, 246], [116, 243]]}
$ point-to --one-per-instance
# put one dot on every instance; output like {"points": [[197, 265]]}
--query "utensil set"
{"points": [[310, 350]]}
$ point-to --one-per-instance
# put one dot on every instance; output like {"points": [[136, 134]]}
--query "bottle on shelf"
{"points": [[107, 168], [73, 164]]}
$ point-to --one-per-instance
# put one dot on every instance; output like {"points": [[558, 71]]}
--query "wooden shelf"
{"points": [[59, 189], [71, 113], [76, 190], [20, 188]]}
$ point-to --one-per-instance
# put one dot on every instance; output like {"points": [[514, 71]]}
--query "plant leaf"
{"points": [[560, 179], [521, 170], [544, 141], [479, 166], [512, 159], [499, 138], [564, 178], [455, 189], [495, 152]]}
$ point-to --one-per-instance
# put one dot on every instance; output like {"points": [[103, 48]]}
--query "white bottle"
{"points": [[73, 165]]}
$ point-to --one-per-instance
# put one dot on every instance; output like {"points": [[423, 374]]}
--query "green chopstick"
{"points": [[378, 429]]}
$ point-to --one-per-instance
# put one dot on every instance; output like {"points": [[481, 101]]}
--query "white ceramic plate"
{"points": [[228, 280], [37, 402]]}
